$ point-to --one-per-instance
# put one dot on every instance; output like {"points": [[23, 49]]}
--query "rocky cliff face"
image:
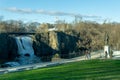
{"points": [[67, 44], [8, 47], [41, 46], [53, 40], [46, 45], [49, 43]]}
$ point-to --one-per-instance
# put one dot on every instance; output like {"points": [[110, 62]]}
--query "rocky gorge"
{"points": [[45, 45]]}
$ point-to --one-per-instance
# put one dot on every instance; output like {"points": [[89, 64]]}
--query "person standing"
{"points": [[105, 54], [87, 54]]}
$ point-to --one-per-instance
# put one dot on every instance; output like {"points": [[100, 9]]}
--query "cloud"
{"points": [[14, 9], [51, 13], [56, 13]]}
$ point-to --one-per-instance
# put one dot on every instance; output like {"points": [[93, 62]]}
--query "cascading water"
{"points": [[25, 50]]}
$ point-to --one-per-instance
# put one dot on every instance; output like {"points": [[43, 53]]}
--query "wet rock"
{"points": [[27, 55]]}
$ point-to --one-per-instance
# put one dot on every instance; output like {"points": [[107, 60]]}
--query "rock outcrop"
{"points": [[67, 44], [41, 46], [8, 47], [49, 43]]}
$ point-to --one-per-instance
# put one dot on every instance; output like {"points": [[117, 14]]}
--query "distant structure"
{"points": [[78, 18], [106, 40], [106, 46], [52, 29]]}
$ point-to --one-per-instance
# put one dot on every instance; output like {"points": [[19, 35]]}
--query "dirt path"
{"points": [[99, 55]]}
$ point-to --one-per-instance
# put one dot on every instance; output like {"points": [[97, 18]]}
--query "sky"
{"points": [[52, 10]]}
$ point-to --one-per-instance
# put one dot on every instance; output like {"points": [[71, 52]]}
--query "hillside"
{"points": [[86, 70]]}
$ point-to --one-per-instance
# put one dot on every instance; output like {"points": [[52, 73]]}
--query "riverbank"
{"points": [[86, 70], [94, 55]]}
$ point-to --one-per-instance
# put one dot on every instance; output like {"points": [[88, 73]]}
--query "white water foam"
{"points": [[12, 64], [26, 51]]}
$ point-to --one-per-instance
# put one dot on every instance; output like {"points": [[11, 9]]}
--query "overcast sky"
{"points": [[52, 10]]}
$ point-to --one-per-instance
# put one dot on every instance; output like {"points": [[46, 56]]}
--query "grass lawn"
{"points": [[82, 70]]}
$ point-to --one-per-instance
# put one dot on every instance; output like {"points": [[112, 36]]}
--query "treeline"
{"points": [[87, 31], [17, 26]]}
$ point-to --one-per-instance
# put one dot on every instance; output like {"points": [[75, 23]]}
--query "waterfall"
{"points": [[26, 51]]}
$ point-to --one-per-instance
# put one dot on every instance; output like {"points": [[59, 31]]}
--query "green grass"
{"points": [[82, 70]]}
